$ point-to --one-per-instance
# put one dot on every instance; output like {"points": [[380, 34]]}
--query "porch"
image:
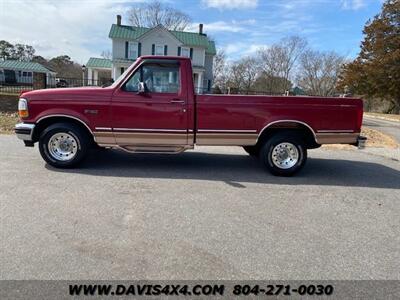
{"points": [[119, 66], [98, 71], [198, 78]]}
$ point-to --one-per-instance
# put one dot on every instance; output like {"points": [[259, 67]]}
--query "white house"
{"points": [[128, 43]]}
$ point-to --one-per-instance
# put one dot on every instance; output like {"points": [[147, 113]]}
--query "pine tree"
{"points": [[375, 72]]}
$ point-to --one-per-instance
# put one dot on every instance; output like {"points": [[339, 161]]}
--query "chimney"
{"points": [[200, 28], [119, 20]]}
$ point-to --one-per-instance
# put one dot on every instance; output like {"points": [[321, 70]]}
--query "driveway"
{"points": [[391, 128], [212, 213]]}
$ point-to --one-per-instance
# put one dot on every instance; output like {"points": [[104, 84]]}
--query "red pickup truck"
{"points": [[153, 108]]}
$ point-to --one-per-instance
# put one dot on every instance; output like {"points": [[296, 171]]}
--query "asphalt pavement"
{"points": [[391, 128], [211, 213]]}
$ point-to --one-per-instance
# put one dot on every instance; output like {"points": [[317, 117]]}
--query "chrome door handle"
{"points": [[178, 101]]}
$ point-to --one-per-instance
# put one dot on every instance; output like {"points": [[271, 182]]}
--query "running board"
{"points": [[155, 149]]}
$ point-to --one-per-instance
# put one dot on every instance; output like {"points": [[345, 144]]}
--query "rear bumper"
{"points": [[361, 140], [24, 131], [350, 138]]}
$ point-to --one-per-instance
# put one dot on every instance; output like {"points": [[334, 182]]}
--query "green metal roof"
{"points": [[211, 48], [95, 62], [187, 38], [24, 65], [123, 61], [127, 32], [193, 39]]}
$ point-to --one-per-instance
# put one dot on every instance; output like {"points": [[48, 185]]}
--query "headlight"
{"points": [[23, 108]]}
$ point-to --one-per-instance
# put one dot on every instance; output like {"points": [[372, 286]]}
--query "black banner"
{"points": [[201, 289]]}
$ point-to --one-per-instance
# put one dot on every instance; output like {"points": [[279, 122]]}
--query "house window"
{"points": [[133, 50], [185, 52], [159, 50]]}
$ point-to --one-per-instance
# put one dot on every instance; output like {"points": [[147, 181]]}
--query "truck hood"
{"points": [[83, 93]]}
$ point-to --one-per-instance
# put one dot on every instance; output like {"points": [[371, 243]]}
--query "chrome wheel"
{"points": [[62, 146], [285, 155]]}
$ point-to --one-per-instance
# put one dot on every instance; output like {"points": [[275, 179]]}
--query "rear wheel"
{"points": [[63, 145], [284, 154]]}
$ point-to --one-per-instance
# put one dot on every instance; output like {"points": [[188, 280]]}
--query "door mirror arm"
{"points": [[142, 89]]}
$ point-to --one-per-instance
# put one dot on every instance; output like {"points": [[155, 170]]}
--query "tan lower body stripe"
{"points": [[220, 139], [148, 138], [337, 138]]}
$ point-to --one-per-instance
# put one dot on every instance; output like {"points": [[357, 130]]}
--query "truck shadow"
{"points": [[234, 169]]}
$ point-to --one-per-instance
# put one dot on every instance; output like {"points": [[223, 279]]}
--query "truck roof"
{"points": [[163, 57]]}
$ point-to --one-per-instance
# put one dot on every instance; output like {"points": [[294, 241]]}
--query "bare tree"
{"points": [[271, 64], [250, 70], [271, 85], [243, 74], [279, 61], [155, 13], [293, 47], [319, 72], [220, 71], [106, 54]]}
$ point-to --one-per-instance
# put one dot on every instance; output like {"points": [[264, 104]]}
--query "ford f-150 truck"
{"points": [[153, 108]]}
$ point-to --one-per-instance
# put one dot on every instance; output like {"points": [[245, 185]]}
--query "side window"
{"points": [[161, 78], [132, 84], [133, 50], [159, 50], [158, 78], [185, 52]]}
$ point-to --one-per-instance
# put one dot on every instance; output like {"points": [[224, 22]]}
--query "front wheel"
{"points": [[284, 154], [63, 145]]}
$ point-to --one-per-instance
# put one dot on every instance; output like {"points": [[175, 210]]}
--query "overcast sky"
{"points": [[80, 28]]}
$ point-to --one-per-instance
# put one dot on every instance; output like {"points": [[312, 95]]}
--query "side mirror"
{"points": [[141, 88]]}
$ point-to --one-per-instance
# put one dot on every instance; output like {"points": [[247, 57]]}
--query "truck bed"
{"points": [[243, 115]]}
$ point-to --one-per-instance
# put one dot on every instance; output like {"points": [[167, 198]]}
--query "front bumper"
{"points": [[24, 131]]}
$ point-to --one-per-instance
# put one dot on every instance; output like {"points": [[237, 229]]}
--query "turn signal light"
{"points": [[23, 113], [23, 108]]}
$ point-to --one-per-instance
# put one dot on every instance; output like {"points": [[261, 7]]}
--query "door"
{"points": [[156, 117], [9, 76]]}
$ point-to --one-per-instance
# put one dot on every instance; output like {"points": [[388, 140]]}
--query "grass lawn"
{"points": [[378, 139], [8, 121]]}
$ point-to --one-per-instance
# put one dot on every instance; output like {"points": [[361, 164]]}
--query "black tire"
{"points": [[286, 141], [80, 146], [96, 147], [252, 150]]}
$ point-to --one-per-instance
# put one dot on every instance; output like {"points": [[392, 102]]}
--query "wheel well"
{"points": [[46, 122], [300, 129]]}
